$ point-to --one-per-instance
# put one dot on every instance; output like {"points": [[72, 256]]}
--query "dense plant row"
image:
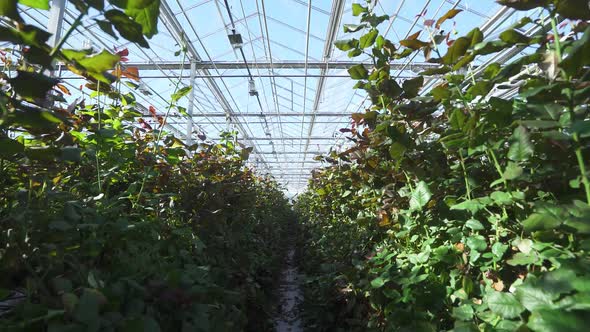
{"points": [[109, 223], [460, 207]]}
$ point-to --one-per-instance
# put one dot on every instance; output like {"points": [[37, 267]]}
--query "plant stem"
{"points": [[467, 187], [98, 141], [556, 38], [498, 168], [582, 167]]}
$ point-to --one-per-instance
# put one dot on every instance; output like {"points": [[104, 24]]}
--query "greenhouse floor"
{"points": [[290, 295]]}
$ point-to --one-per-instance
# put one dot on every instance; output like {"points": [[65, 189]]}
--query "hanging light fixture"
{"points": [[252, 88], [87, 44], [235, 39]]}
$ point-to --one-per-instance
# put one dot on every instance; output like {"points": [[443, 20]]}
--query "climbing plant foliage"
{"points": [[107, 221], [462, 202]]}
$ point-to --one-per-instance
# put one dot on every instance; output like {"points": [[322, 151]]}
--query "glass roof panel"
{"points": [[304, 93]]}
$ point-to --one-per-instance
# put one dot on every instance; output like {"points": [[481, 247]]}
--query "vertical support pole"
{"points": [[55, 22], [191, 104]]}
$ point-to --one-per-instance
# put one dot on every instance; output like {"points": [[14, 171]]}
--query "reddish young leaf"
{"points": [[123, 52], [63, 89], [152, 110]]}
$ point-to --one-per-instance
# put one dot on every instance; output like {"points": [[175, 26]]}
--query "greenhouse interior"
{"points": [[294, 165]]}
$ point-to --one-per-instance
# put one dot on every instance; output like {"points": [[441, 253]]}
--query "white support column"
{"points": [[55, 22], [191, 104]]}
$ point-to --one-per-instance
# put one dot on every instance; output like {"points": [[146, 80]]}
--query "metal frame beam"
{"points": [[191, 105], [289, 152], [331, 35], [283, 64], [238, 115], [55, 22], [319, 138]]}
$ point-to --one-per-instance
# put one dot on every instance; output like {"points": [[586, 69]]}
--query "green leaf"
{"points": [[88, 306], [128, 28], [10, 147], [488, 47], [358, 72], [477, 243], [448, 15], [573, 9], [557, 282], [523, 4], [473, 205], [397, 150], [524, 245], [501, 197], [413, 44], [523, 259], [150, 324], [547, 320], [521, 148], [181, 93], [70, 153], [146, 16], [368, 39], [61, 285], [412, 86], [498, 249], [514, 37], [378, 282], [420, 196], [346, 44], [480, 88], [355, 52], [456, 51], [107, 27], [100, 62], [30, 85], [578, 55], [540, 124], [9, 9], [40, 4], [463, 312], [540, 221], [474, 224], [476, 37], [439, 93], [512, 171], [582, 128], [464, 61], [353, 27], [4, 293], [358, 9], [69, 301], [504, 304], [533, 298]]}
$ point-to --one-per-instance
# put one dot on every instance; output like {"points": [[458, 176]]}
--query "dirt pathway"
{"points": [[290, 294]]}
